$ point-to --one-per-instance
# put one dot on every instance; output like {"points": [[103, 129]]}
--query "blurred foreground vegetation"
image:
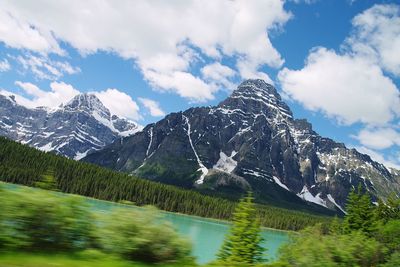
{"points": [[368, 236], [39, 229], [24, 165], [36, 221]]}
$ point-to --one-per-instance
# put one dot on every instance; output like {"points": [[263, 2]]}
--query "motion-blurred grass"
{"points": [[19, 259]]}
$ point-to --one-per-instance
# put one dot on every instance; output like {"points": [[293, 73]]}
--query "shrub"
{"points": [[140, 235], [312, 248], [38, 220]]}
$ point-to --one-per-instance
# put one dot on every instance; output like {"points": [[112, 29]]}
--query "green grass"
{"points": [[84, 259]]}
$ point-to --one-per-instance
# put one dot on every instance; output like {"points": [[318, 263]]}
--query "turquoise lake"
{"points": [[206, 235]]}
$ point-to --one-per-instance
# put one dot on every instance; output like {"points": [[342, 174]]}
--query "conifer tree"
{"points": [[242, 245], [335, 227], [360, 213], [389, 210]]}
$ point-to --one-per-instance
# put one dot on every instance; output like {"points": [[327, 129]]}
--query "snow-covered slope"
{"points": [[81, 126]]}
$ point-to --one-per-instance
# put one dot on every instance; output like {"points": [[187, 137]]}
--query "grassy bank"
{"points": [[84, 259]]}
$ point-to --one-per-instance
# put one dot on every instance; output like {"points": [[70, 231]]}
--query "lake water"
{"points": [[206, 235]]}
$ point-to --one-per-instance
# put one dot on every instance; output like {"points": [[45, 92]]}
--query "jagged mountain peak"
{"points": [[86, 102], [256, 87], [257, 97], [83, 125]]}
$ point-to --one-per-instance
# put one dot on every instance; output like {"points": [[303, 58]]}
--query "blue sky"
{"points": [[336, 62]]}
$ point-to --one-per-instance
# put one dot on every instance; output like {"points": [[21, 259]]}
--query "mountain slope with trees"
{"points": [[24, 165], [248, 141]]}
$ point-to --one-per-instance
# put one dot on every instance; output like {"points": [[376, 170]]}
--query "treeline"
{"points": [[21, 164]]}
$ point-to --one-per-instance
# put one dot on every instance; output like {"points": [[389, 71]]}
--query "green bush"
{"points": [[37, 220], [389, 234], [394, 261], [140, 235], [312, 248]]}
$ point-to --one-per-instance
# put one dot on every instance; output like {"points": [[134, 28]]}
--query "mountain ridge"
{"points": [[248, 140], [80, 126]]}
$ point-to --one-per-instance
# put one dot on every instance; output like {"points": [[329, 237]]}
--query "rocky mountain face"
{"points": [[81, 126], [249, 140]]}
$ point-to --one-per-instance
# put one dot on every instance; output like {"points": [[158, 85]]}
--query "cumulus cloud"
{"points": [[60, 93], [119, 103], [152, 106], [352, 85], [219, 74], [18, 33], [345, 84], [163, 38], [4, 65], [348, 88], [45, 68], [308, 2], [183, 83], [378, 138], [376, 35]]}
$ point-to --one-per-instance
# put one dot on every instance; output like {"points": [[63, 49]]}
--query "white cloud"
{"points": [[351, 85], [45, 68], [376, 35], [159, 36], [152, 106], [119, 103], [308, 2], [348, 88], [60, 93], [247, 71], [219, 74], [378, 138], [18, 33], [392, 162], [183, 83], [4, 65]]}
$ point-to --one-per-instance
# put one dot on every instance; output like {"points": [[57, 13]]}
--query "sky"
{"points": [[335, 62]]}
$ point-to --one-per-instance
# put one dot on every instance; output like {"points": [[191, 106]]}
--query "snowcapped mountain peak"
{"points": [[81, 126], [256, 87], [255, 96], [87, 102]]}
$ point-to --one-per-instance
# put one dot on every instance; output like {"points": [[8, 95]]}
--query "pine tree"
{"points": [[335, 227], [360, 213], [242, 245], [389, 210]]}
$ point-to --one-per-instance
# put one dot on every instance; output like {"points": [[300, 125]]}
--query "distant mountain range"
{"points": [[249, 140], [81, 126]]}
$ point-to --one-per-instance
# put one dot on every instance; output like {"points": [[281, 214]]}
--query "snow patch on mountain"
{"points": [[202, 168], [307, 196], [226, 163], [331, 199], [278, 182]]}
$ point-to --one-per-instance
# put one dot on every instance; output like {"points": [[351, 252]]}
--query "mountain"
{"points": [[81, 126], [249, 140]]}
